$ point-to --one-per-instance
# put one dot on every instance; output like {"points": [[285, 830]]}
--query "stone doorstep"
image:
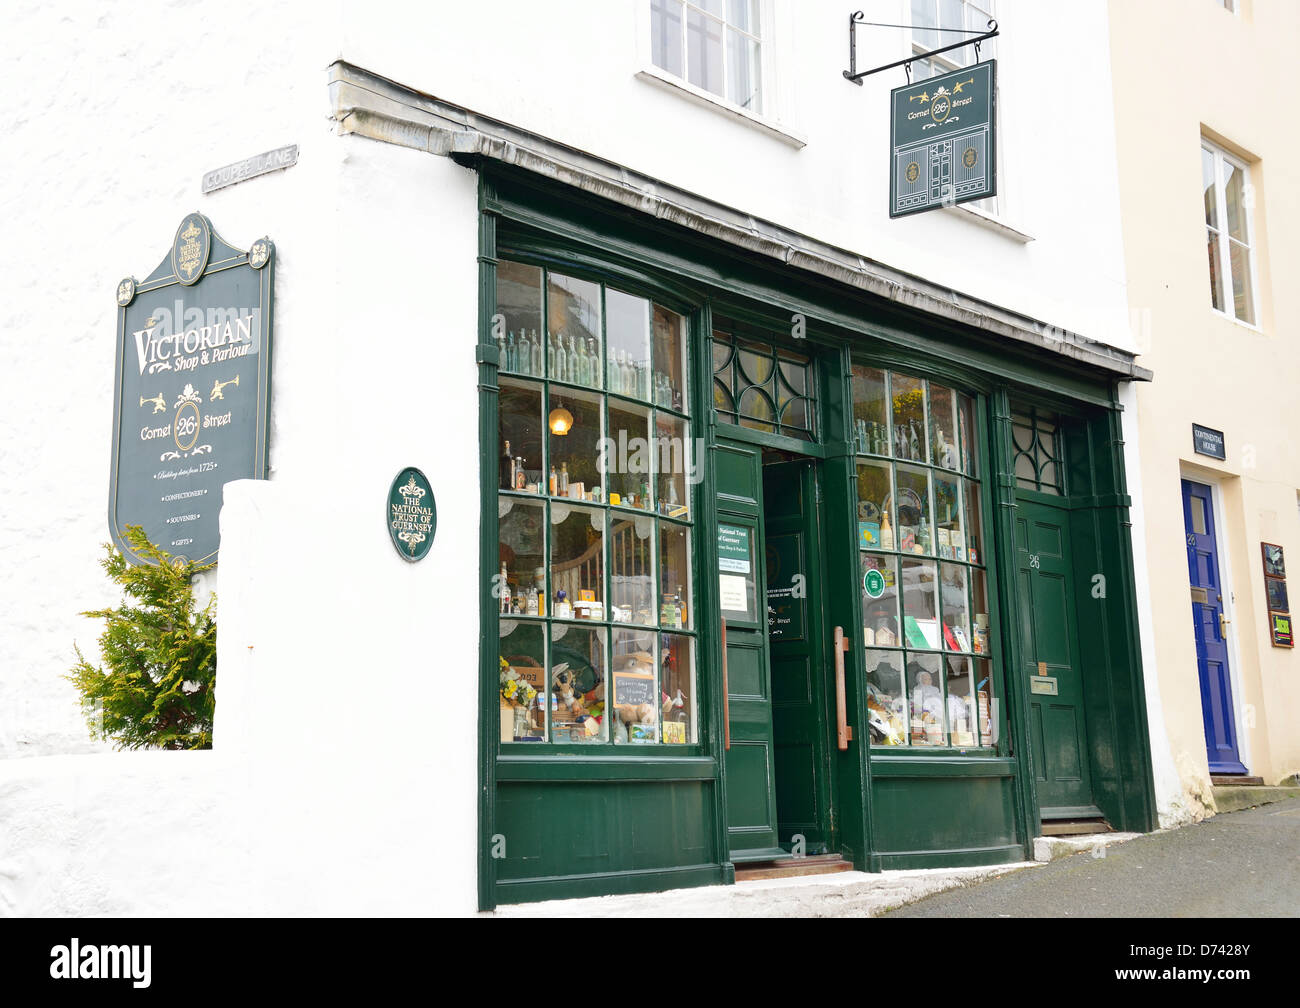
{"points": [[1234, 798], [1052, 848], [843, 894]]}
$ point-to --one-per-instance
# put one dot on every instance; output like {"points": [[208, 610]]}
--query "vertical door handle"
{"points": [[843, 733], [726, 691], [1223, 625]]}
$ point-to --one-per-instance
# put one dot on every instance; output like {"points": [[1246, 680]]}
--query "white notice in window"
{"points": [[732, 590]]}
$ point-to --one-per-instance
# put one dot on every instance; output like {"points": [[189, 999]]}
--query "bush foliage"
{"points": [[157, 685]]}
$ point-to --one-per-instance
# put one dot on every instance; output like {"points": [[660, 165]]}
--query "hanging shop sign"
{"points": [[192, 389], [412, 514], [942, 143], [1208, 441]]}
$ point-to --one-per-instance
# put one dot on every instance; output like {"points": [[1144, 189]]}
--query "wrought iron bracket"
{"points": [[857, 18]]}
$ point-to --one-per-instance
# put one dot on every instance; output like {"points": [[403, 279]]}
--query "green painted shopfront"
{"points": [[783, 562]]}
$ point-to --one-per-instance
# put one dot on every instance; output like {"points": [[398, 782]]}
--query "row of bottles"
{"points": [[877, 439], [576, 360]]}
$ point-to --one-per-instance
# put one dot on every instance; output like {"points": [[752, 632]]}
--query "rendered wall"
{"points": [[1213, 69]]}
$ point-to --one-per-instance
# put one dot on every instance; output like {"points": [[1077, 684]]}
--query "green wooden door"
{"points": [[797, 649], [750, 758], [1045, 581]]}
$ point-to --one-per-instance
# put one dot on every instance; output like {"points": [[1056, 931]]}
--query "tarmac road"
{"points": [[1242, 864]]}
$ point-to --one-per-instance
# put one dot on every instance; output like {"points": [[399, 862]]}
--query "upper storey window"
{"points": [[715, 45]]}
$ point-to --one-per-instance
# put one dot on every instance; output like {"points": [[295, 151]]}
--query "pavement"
{"points": [[1239, 864]]}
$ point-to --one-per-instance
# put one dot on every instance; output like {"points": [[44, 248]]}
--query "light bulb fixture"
{"points": [[560, 421]]}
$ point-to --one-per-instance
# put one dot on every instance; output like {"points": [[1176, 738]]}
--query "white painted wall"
{"points": [[342, 779]]}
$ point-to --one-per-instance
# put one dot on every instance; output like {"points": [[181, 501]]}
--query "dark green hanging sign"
{"points": [[192, 389], [942, 144], [412, 514]]}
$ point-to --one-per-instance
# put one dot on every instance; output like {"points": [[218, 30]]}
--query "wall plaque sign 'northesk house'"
{"points": [[942, 145], [412, 515], [192, 389]]}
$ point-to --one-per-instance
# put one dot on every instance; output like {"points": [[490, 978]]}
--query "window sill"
{"points": [[653, 75], [985, 219], [1249, 326]]}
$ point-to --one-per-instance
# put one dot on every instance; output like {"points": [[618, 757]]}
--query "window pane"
{"points": [[920, 622], [573, 315], [669, 360], [756, 364], [634, 687], [673, 463], [677, 688], [520, 413], [877, 522], [909, 417], [912, 507], [1243, 304], [629, 456], [956, 610], [879, 585], [1234, 199], [676, 610], [924, 13], [704, 52], [577, 683], [523, 681], [949, 534], [961, 707], [631, 570], [1212, 240], [666, 35], [574, 470], [519, 299], [980, 607], [743, 77], [870, 422], [743, 14], [943, 428], [925, 700], [577, 558], [1207, 185], [757, 412], [628, 328], [521, 546], [886, 698], [968, 434], [974, 527]]}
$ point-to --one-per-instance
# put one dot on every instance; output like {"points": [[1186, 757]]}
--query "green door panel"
{"points": [[1050, 643]]}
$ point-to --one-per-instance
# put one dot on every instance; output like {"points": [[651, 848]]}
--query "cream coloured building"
{"points": [[1210, 215]]}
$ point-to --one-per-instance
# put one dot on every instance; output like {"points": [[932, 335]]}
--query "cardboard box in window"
{"points": [[530, 672]]}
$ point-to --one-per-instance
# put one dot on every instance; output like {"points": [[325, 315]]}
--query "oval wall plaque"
{"points": [[191, 248], [412, 515]]}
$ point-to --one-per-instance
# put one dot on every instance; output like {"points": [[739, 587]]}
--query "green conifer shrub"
{"points": [[157, 685]]}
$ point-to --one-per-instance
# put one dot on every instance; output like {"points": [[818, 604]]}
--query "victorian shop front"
{"points": [[779, 564]]}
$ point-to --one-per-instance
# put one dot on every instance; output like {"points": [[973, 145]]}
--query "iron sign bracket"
{"points": [[857, 18]]}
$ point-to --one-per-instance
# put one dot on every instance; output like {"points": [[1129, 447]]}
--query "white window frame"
{"points": [[770, 120], [1229, 311], [992, 208]]}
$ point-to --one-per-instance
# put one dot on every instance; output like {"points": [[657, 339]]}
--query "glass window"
{"points": [[1036, 440], [595, 584], [762, 386], [937, 23], [925, 608], [1227, 198], [716, 45]]}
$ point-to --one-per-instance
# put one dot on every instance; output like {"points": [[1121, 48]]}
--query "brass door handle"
{"points": [[1223, 625], [843, 733], [726, 699]]}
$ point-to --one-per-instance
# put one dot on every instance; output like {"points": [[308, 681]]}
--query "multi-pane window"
{"points": [[597, 623], [761, 386], [930, 15], [714, 44], [921, 551], [1225, 183], [1036, 441]]}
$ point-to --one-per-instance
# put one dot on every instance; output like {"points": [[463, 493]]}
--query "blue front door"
{"points": [[1207, 618]]}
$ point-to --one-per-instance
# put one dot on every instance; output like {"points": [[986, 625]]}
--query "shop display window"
{"points": [[595, 585], [925, 610]]}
